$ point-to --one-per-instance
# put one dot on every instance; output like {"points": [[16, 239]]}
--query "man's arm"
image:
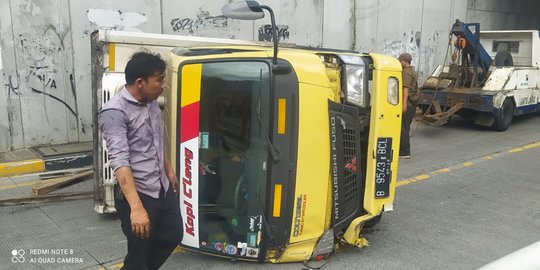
{"points": [[171, 175], [406, 81], [405, 98], [114, 128], [140, 223]]}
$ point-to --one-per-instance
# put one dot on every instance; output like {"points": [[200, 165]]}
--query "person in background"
{"points": [[410, 97], [146, 194]]}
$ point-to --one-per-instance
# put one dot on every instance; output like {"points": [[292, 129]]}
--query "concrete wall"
{"points": [[5, 137], [45, 53], [504, 14], [298, 21], [419, 27]]}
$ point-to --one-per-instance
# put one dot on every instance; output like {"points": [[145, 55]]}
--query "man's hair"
{"points": [[405, 57], [143, 65]]}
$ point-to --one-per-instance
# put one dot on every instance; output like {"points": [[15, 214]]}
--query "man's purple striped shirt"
{"points": [[133, 131]]}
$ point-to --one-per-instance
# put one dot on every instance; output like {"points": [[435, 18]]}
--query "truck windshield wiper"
{"points": [[273, 150]]}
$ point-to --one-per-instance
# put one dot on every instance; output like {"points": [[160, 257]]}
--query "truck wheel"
{"points": [[372, 222], [505, 116]]}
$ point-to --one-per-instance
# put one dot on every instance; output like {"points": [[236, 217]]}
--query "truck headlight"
{"points": [[356, 85], [393, 91]]}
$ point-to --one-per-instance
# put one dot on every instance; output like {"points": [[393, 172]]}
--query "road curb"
{"points": [[38, 165], [22, 167], [71, 161]]}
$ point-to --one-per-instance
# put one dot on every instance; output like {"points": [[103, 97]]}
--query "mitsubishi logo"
{"points": [[351, 165]]}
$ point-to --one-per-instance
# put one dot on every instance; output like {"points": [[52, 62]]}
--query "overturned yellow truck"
{"points": [[282, 156]]}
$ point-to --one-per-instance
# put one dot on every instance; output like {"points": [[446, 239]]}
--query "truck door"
{"points": [[221, 153], [384, 135]]}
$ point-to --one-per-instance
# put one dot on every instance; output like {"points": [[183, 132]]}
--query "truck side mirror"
{"points": [[243, 10], [251, 10]]}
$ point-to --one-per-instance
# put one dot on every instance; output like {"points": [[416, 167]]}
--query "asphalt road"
{"points": [[467, 197]]}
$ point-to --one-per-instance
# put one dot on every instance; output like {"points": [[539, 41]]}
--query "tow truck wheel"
{"points": [[505, 116], [372, 222]]}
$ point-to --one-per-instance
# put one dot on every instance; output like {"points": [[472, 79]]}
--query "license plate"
{"points": [[383, 173]]}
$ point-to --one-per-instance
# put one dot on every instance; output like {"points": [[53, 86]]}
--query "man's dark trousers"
{"points": [[165, 233], [405, 143]]}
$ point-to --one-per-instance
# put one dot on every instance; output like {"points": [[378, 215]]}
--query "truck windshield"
{"points": [[233, 156]]}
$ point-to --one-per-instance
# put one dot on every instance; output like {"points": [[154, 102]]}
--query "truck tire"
{"points": [[505, 116], [504, 59]]}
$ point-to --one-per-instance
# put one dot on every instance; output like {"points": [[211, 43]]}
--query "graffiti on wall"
{"points": [[116, 19], [203, 21], [409, 42], [43, 53], [265, 32], [424, 53], [430, 53], [12, 87]]}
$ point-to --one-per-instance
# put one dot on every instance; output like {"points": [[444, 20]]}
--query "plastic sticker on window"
{"points": [[252, 252], [204, 144], [252, 240]]}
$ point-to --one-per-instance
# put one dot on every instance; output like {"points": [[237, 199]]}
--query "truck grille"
{"points": [[351, 173], [346, 175]]}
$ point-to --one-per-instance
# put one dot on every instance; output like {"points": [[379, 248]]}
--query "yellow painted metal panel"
{"points": [[386, 63], [112, 57], [308, 67], [282, 113], [22, 167], [191, 87], [297, 252], [277, 200], [310, 210]]}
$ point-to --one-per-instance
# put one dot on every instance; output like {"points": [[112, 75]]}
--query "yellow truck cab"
{"points": [[271, 162], [279, 159]]}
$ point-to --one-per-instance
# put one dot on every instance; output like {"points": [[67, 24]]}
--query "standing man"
{"points": [[146, 195], [410, 97]]}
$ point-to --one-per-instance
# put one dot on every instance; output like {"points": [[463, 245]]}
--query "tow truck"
{"points": [[493, 76], [281, 157]]}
